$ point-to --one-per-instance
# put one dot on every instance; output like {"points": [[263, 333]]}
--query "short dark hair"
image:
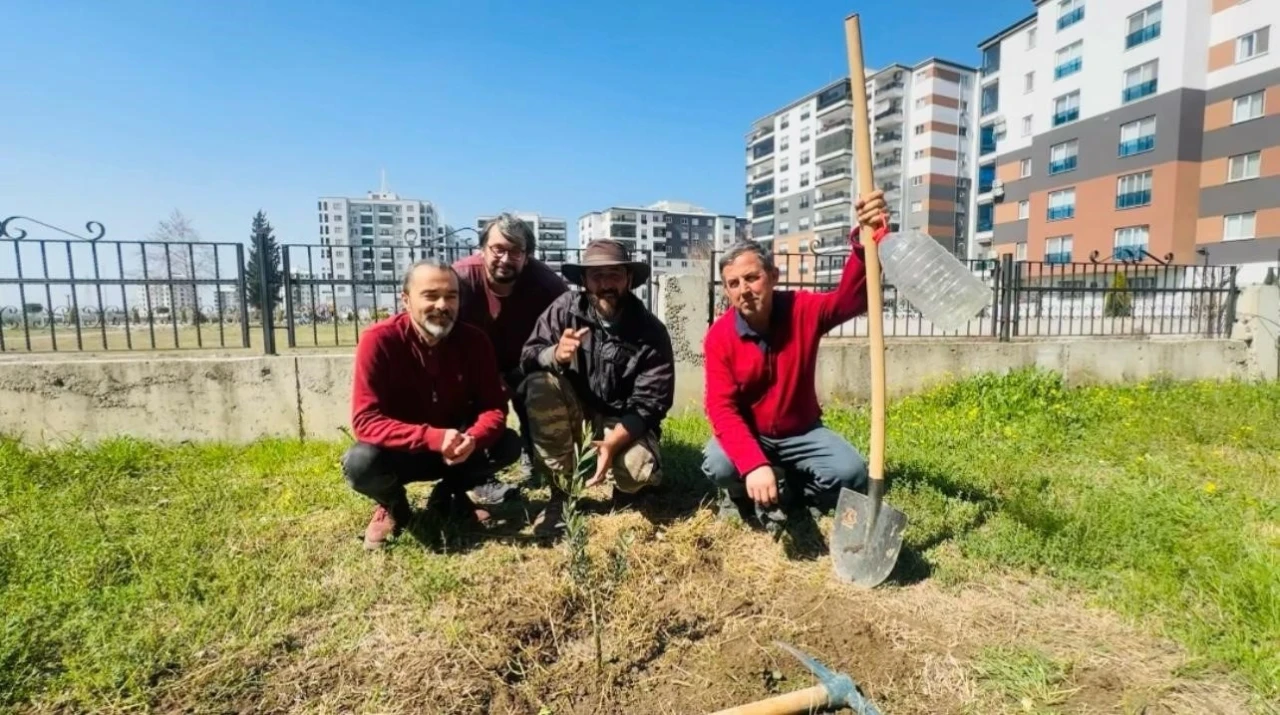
{"points": [[437, 263], [513, 228], [745, 246]]}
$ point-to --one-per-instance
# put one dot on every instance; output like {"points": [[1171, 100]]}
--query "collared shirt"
{"points": [[406, 394], [763, 384], [507, 320]]}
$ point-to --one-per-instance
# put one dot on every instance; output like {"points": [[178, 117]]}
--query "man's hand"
{"points": [[450, 441], [568, 345], [464, 445], [762, 486], [615, 439], [873, 214]]}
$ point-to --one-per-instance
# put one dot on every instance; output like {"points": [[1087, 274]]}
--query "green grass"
{"points": [[1030, 679], [125, 563]]}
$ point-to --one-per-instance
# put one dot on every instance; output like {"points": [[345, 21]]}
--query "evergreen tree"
{"points": [[1119, 302], [263, 234]]}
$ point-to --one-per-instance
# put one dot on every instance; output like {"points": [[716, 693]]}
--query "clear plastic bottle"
{"points": [[933, 280]]}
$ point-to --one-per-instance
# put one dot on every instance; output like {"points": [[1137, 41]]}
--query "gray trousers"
{"points": [[814, 466]]}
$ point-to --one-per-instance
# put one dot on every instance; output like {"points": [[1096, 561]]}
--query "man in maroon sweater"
{"points": [[760, 397], [427, 403], [504, 289]]}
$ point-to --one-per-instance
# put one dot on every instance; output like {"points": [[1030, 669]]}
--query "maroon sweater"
{"points": [[764, 384], [405, 394], [507, 321]]}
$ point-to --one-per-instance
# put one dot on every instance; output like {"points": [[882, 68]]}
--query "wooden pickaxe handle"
{"points": [[808, 700]]}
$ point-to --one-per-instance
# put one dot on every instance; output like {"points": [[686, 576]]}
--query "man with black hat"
{"points": [[598, 355]]}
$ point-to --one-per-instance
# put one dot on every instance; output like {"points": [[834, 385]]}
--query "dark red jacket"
{"points": [[764, 384], [405, 394], [507, 321]]}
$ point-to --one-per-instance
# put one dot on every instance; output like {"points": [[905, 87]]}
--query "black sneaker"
{"points": [[730, 509], [494, 492]]}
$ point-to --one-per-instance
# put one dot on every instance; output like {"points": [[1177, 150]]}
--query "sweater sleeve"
{"points": [[369, 422], [727, 424], [849, 299], [490, 393]]}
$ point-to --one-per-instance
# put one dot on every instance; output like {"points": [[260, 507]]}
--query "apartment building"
{"points": [[1128, 130], [801, 172], [679, 236], [371, 241], [552, 235]]}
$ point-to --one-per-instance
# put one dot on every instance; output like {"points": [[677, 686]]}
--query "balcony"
{"points": [[986, 224], [760, 151], [1133, 199], [760, 133], [1138, 146], [1058, 257], [833, 145], [1070, 18], [891, 113], [886, 141], [1066, 117], [1062, 213], [1063, 165], [1066, 69], [987, 144], [1138, 91], [761, 190], [839, 173], [764, 173], [834, 97], [1146, 34], [834, 124], [825, 223], [831, 198], [1131, 253]]}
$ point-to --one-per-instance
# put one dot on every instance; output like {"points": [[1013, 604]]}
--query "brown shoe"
{"points": [[382, 527]]}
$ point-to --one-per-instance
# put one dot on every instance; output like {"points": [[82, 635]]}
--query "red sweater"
{"points": [[507, 321], [405, 394], [764, 384]]}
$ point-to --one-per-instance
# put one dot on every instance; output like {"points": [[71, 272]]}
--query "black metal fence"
{"points": [[1040, 299]]}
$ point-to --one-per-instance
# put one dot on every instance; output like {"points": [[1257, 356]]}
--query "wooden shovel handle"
{"points": [[866, 184], [800, 701]]}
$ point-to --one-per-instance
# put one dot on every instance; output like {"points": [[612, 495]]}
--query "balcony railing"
{"points": [[1146, 34], [828, 126], [895, 109], [1064, 117], [831, 221], [835, 195], [1058, 257], [1138, 146], [1060, 213], [1130, 253], [1133, 198], [761, 133], [838, 171], [1062, 165], [1067, 69], [1138, 91], [1071, 18]]}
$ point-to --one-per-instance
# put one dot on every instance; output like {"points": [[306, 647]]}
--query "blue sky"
{"points": [[123, 111]]}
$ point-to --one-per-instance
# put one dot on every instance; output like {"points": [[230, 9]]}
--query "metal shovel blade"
{"points": [[865, 541]]}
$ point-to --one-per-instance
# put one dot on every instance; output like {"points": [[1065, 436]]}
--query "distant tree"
{"points": [[263, 234], [178, 259], [1119, 302]]}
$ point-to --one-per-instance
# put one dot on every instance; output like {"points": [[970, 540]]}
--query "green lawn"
{"points": [[126, 564]]}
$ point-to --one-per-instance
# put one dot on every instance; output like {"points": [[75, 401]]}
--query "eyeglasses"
{"points": [[503, 252]]}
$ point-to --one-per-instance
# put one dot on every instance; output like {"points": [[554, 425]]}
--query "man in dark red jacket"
{"points": [[504, 289], [761, 358], [427, 403]]}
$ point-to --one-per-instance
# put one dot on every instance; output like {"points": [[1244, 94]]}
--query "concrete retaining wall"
{"points": [[237, 399]]}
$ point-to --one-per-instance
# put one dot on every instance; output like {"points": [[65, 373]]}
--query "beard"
{"points": [[606, 303], [437, 324], [501, 272]]}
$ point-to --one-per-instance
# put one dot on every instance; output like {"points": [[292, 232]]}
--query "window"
{"points": [[991, 60], [986, 177], [1068, 60], [919, 129], [1131, 243], [1029, 83], [987, 140], [1066, 108], [1062, 204], [1024, 209], [1064, 156], [919, 154], [1239, 227], [1244, 166], [1057, 249], [990, 98], [1024, 168], [1026, 126], [1069, 13], [917, 180], [804, 157], [1133, 190], [916, 206], [1138, 136], [804, 179], [1253, 44], [921, 102], [1031, 39], [1020, 251], [1144, 26], [986, 217], [1250, 106], [1141, 81]]}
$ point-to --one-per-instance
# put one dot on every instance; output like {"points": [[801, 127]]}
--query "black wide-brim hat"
{"points": [[606, 252]]}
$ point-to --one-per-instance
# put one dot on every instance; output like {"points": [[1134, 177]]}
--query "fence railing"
{"points": [[1039, 299]]}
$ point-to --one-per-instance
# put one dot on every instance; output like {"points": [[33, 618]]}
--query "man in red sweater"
{"points": [[760, 397], [504, 289], [427, 403]]}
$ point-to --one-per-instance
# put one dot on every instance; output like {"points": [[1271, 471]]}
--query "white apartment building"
{"points": [[551, 234], [1131, 130], [801, 168], [371, 241], [678, 236], [163, 301]]}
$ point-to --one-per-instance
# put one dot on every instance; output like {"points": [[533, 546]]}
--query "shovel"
{"points": [[867, 535]]}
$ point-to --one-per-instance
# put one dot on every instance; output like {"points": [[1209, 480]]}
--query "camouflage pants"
{"points": [[556, 419]]}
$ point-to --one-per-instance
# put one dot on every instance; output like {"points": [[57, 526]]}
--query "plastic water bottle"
{"points": [[933, 280]]}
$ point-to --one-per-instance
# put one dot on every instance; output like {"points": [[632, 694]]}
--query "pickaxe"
{"points": [[833, 692]]}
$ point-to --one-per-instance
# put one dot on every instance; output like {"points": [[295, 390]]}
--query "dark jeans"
{"points": [[381, 474], [815, 464]]}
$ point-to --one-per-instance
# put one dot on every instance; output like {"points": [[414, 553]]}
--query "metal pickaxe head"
{"points": [[842, 692]]}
